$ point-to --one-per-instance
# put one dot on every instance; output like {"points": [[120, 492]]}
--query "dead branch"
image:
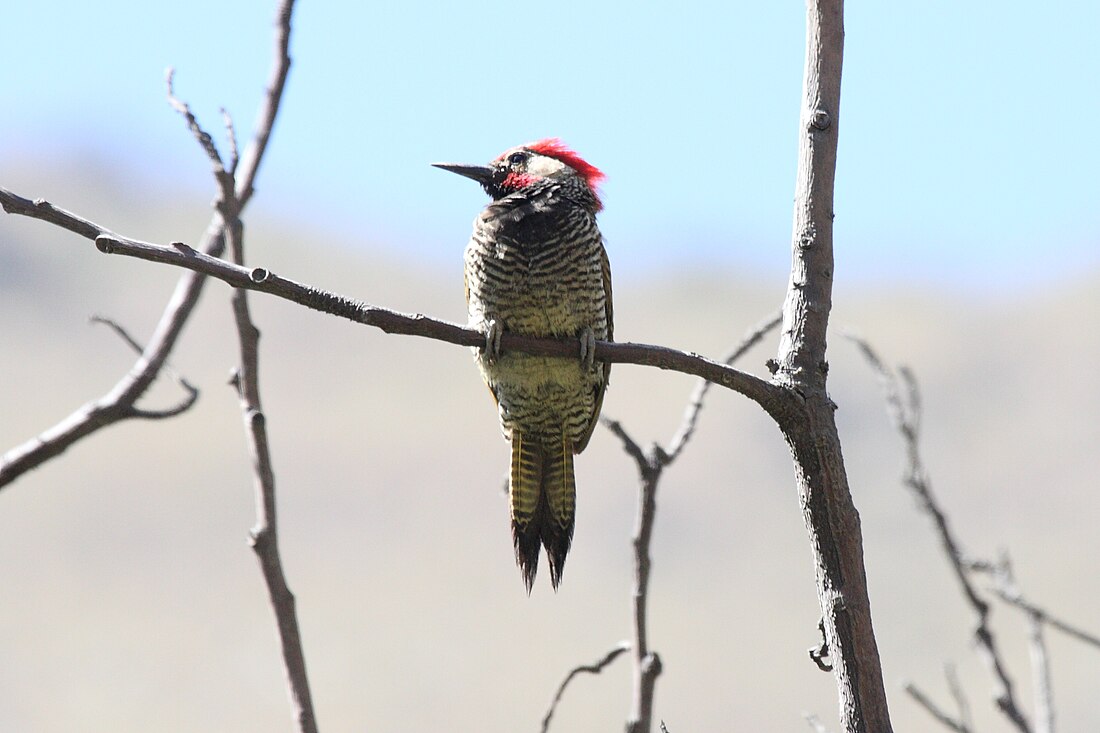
{"points": [[118, 404], [264, 534], [832, 522], [191, 390], [695, 404], [944, 719], [772, 398], [594, 668], [961, 703], [903, 398], [1013, 596], [651, 465]]}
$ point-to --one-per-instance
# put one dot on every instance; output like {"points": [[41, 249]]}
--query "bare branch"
{"points": [[774, 399], [280, 67], [264, 534], [191, 390], [1006, 588], [647, 665], [695, 405], [594, 668], [1040, 671], [231, 137], [961, 703], [118, 404], [941, 717], [201, 136], [832, 522], [905, 412], [632, 448]]}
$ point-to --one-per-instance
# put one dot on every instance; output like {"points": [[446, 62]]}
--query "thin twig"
{"points": [[961, 703], [191, 390], [594, 668], [629, 445], [814, 722], [943, 718], [1008, 591], [1005, 586], [206, 142], [231, 138], [1040, 672], [905, 413], [695, 404]]}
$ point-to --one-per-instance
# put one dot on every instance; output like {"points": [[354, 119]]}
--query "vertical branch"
{"points": [[647, 665], [903, 401], [264, 534], [1040, 670], [830, 515], [233, 194], [651, 465]]}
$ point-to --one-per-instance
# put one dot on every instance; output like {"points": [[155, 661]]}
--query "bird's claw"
{"points": [[492, 340], [588, 349]]}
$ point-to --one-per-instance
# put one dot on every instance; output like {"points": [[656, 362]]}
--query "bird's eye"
{"points": [[517, 158]]}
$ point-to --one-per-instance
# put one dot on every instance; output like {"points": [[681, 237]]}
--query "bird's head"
{"points": [[528, 166]]}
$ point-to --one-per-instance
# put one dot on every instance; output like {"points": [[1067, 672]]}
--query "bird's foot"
{"points": [[493, 333], [588, 349]]}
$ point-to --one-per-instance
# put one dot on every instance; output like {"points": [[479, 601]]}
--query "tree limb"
{"points": [[651, 465], [905, 412], [264, 535], [773, 399], [118, 403], [831, 519]]}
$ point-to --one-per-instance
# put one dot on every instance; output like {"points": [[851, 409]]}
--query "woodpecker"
{"points": [[536, 265]]}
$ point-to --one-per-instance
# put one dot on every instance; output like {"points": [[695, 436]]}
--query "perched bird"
{"points": [[536, 265]]}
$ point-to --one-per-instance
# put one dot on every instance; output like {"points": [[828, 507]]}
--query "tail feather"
{"points": [[542, 497], [526, 504], [560, 490]]}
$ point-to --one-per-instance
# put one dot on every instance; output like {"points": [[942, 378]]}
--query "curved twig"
{"points": [[594, 668], [192, 391]]}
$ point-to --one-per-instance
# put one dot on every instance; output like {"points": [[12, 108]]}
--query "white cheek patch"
{"points": [[543, 166]]}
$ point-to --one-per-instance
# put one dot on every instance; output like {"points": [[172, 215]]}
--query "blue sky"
{"points": [[968, 151]]}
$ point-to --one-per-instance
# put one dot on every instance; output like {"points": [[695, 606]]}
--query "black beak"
{"points": [[480, 173]]}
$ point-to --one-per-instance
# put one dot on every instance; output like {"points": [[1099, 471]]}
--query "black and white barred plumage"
{"points": [[536, 265]]}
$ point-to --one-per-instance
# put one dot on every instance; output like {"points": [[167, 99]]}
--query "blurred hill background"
{"points": [[967, 238]]}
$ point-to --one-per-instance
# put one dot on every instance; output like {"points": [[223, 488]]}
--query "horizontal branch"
{"points": [[776, 400]]}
